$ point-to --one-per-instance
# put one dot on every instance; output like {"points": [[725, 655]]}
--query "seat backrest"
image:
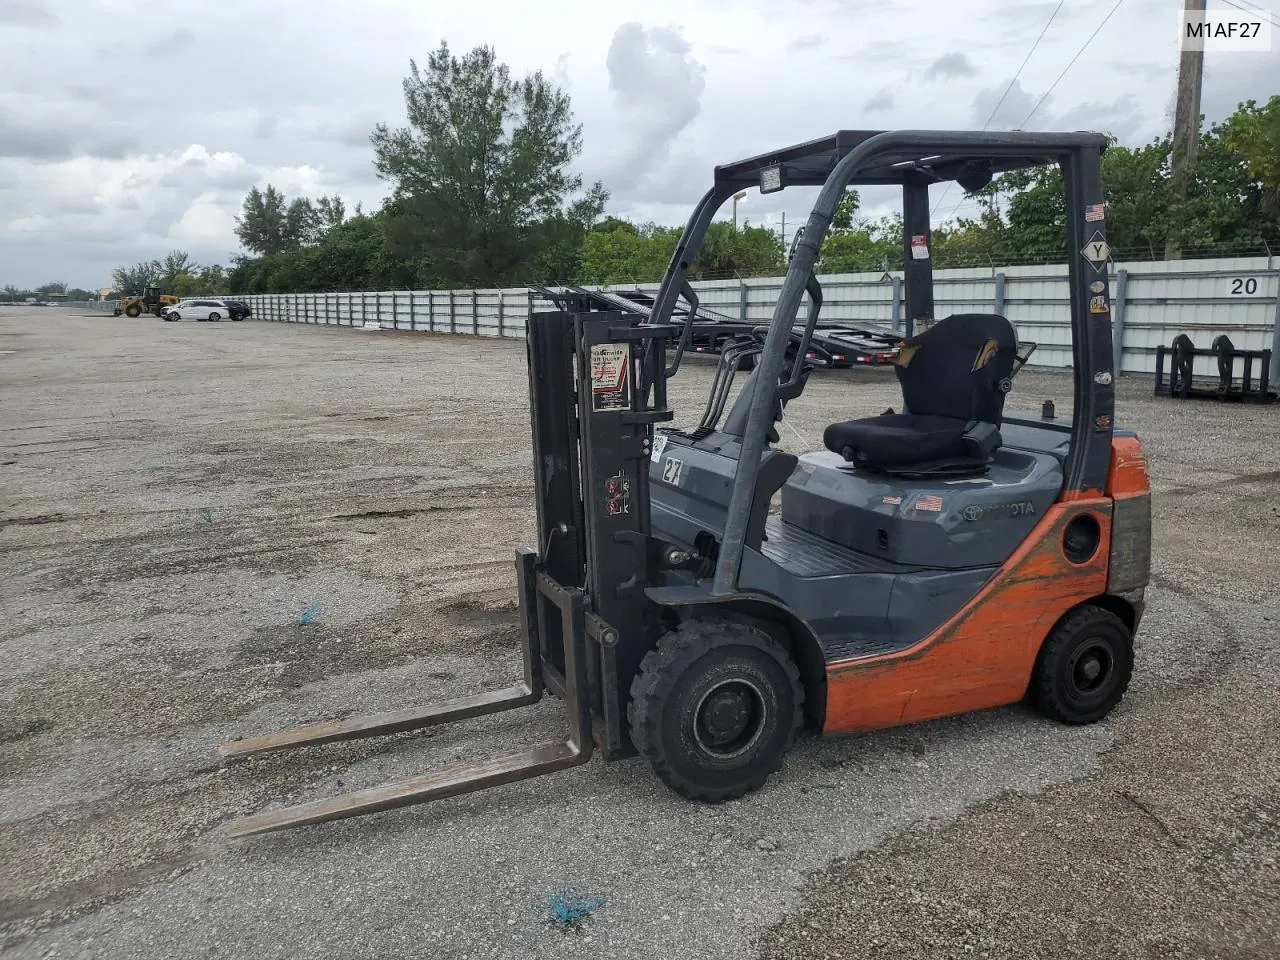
{"points": [[960, 367]]}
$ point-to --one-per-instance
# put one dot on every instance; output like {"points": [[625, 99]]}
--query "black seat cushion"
{"points": [[953, 376], [898, 439]]}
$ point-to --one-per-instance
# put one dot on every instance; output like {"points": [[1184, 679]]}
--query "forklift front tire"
{"points": [[714, 709], [1084, 667]]}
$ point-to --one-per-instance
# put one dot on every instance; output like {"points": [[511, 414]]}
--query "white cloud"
{"points": [[37, 223], [109, 156]]}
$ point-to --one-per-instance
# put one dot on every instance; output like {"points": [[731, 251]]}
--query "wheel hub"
{"points": [[1091, 668], [726, 715], [729, 718]]}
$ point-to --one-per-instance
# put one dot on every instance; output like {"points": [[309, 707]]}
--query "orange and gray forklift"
{"points": [[941, 559]]}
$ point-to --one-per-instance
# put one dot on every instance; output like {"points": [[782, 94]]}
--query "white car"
{"points": [[197, 310]]}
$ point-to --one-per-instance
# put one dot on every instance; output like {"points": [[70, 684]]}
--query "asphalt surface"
{"points": [[174, 498]]}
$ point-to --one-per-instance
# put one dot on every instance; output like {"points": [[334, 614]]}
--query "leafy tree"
{"points": [[11, 292], [558, 239], [1253, 133], [747, 252], [213, 280], [863, 245], [350, 256], [616, 251], [132, 281], [848, 206], [176, 263], [268, 223], [302, 223], [483, 162], [261, 224], [54, 288], [331, 211]]}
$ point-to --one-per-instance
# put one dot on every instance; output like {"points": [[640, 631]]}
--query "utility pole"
{"points": [[1186, 134]]}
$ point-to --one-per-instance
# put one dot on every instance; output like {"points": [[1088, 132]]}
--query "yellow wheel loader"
{"points": [[152, 301]]}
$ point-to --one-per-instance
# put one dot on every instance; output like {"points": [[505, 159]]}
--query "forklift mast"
{"points": [[592, 427]]}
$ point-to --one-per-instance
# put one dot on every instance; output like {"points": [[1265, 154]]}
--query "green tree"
{"points": [[53, 288], [483, 162], [855, 245], [261, 223], [845, 211], [1253, 134], [746, 252], [618, 251], [303, 224], [213, 280], [331, 211], [558, 238], [132, 281]]}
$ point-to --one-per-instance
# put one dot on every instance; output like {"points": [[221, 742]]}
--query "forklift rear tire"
{"points": [[714, 709], [1084, 667]]}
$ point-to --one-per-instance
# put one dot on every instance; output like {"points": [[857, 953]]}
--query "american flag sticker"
{"points": [[1093, 211], [932, 503]]}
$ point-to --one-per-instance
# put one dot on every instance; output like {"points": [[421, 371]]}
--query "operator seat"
{"points": [[954, 379]]}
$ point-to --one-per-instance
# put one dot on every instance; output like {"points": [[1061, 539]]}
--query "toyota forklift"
{"points": [[696, 596]]}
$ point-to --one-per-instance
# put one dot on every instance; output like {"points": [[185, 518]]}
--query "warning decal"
{"points": [[610, 383], [919, 246], [1096, 251], [617, 493], [659, 444]]}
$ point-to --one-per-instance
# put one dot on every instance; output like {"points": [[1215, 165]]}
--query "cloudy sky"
{"points": [[132, 127]]}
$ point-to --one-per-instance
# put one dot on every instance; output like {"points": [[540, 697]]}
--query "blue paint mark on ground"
{"points": [[569, 909], [311, 613]]}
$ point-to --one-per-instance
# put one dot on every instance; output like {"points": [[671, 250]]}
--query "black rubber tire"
{"points": [[172, 317], [680, 673], [133, 310], [215, 316], [1088, 632]]}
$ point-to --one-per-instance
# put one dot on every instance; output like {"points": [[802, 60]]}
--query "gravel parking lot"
{"points": [[175, 497]]}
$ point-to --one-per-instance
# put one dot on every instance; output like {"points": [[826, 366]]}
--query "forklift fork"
{"points": [[591, 374], [536, 590]]}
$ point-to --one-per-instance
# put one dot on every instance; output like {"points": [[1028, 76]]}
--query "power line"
{"points": [[1253, 10], [999, 102], [1043, 31], [1082, 49]]}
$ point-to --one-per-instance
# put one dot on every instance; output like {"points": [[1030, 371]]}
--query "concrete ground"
{"points": [[175, 498]]}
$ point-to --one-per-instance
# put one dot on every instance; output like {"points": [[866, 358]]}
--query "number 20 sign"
{"points": [[1243, 287]]}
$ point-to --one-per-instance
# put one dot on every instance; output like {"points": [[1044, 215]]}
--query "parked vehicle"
{"points": [[238, 309], [197, 310], [152, 301]]}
